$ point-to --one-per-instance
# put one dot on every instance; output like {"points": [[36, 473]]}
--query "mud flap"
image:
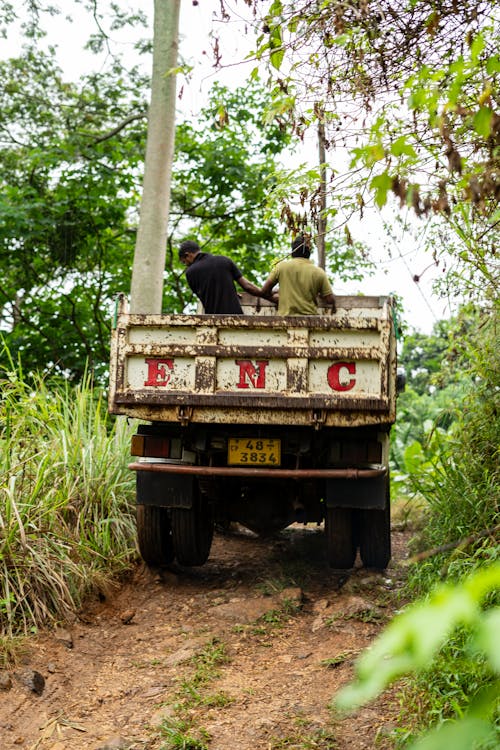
{"points": [[168, 491], [356, 493]]}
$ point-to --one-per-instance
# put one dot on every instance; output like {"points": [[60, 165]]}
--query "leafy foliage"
{"points": [[435, 68], [409, 90], [68, 210], [414, 639], [69, 180], [460, 479], [446, 444]]}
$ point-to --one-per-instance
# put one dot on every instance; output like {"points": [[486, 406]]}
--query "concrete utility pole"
{"points": [[320, 240], [149, 258]]}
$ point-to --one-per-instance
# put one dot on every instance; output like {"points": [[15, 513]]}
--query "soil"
{"points": [[245, 652]]}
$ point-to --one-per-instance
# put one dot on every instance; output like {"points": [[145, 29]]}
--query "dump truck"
{"points": [[261, 420]]}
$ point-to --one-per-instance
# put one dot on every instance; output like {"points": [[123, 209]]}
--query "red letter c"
{"points": [[333, 376]]}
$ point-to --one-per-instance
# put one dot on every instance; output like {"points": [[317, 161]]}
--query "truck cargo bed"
{"points": [[258, 368]]}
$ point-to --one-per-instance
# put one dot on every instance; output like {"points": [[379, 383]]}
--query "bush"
{"points": [[449, 644]]}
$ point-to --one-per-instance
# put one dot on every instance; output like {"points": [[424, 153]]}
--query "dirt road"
{"points": [[244, 653]]}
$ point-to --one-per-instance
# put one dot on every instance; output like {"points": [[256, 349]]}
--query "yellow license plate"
{"points": [[254, 452]]}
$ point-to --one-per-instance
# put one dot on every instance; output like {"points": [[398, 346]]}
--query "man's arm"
{"points": [[326, 293], [266, 290], [253, 289], [329, 299], [248, 286]]}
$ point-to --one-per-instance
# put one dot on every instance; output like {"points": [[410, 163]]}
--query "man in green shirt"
{"points": [[301, 283]]}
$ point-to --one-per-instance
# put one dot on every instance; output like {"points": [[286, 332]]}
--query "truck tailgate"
{"points": [[329, 369]]}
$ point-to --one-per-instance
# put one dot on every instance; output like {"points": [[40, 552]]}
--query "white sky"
{"points": [[422, 308]]}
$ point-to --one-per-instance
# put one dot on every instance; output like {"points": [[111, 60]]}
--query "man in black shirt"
{"points": [[212, 277]]}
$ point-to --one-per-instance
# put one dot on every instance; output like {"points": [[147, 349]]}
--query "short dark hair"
{"points": [[188, 246], [301, 246]]}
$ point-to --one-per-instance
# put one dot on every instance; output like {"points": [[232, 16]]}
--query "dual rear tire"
{"points": [[350, 529], [185, 534]]}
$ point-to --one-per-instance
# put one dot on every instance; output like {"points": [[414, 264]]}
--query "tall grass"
{"points": [[66, 511], [461, 482], [461, 486]]}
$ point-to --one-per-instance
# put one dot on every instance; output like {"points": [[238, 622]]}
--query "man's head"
{"points": [[188, 251], [301, 246]]}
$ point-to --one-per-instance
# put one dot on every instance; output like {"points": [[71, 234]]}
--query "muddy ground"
{"points": [[243, 653]]}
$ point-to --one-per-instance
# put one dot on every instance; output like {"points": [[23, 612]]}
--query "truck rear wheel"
{"points": [[340, 537], [192, 532], [374, 529], [154, 535]]}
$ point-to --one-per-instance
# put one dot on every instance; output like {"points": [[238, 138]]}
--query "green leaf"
{"points": [[414, 456], [417, 99], [401, 147], [412, 640], [477, 46], [277, 57], [342, 40], [482, 121], [381, 184], [459, 735], [493, 65], [275, 37]]}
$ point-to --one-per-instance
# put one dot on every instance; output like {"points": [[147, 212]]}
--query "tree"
{"points": [[149, 257], [70, 177], [410, 90]]}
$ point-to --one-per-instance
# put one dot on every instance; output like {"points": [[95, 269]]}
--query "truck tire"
{"points": [[374, 530], [154, 535], [340, 537], [192, 532]]}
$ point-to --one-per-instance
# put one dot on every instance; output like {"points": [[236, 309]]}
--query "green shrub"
{"points": [[449, 643]]}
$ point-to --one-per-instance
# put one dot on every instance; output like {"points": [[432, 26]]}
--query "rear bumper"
{"points": [[256, 473]]}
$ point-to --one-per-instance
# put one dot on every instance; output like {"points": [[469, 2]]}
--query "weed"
{"points": [[180, 731], [180, 735], [322, 739], [445, 691], [336, 661], [273, 617], [206, 669], [370, 615], [11, 650], [272, 586], [217, 700]]}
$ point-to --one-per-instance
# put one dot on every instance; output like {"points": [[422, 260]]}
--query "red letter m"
{"points": [[256, 374]]}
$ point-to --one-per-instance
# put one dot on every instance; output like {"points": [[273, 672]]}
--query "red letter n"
{"points": [[256, 374]]}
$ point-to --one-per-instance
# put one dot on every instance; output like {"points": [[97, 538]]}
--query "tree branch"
{"points": [[119, 127], [460, 543]]}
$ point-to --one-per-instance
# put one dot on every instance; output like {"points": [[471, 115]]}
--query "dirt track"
{"points": [[244, 653]]}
